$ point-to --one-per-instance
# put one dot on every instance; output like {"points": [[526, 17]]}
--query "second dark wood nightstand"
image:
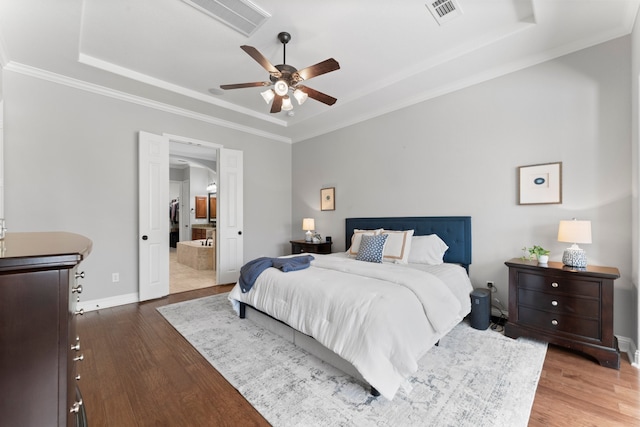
{"points": [[301, 246], [564, 306]]}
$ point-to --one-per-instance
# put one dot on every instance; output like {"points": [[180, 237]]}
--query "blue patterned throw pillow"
{"points": [[372, 248]]}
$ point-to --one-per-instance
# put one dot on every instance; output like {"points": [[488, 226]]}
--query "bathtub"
{"points": [[194, 254]]}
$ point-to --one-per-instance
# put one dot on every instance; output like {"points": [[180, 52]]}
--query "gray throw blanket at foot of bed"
{"points": [[251, 270]]}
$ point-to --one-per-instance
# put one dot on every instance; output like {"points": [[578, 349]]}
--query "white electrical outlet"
{"points": [[115, 277]]}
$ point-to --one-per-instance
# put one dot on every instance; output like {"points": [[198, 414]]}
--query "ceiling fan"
{"points": [[285, 78]]}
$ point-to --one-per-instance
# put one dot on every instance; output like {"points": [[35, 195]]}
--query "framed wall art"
{"points": [[328, 199], [540, 184]]}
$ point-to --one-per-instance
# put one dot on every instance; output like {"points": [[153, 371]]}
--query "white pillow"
{"points": [[398, 246], [357, 237], [427, 250]]}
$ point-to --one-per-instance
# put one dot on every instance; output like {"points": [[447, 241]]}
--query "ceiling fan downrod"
{"points": [[284, 38]]}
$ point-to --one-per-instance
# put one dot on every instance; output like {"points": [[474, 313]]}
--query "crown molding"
{"points": [[454, 86], [162, 84], [138, 100]]}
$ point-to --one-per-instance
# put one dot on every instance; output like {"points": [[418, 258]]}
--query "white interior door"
{"points": [[230, 215], [153, 218], [185, 217], [1, 159]]}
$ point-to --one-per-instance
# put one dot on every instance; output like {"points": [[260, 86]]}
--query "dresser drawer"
{"points": [[301, 246], [559, 284], [562, 304], [556, 322]]}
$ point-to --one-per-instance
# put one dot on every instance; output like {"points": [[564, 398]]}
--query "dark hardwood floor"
{"points": [[138, 371]]}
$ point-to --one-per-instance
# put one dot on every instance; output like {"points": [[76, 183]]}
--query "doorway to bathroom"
{"points": [[153, 218], [192, 241]]}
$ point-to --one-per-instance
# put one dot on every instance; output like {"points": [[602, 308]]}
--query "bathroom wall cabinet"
{"points": [[201, 207]]}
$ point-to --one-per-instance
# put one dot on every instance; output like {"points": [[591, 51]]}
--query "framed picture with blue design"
{"points": [[540, 184], [328, 199]]}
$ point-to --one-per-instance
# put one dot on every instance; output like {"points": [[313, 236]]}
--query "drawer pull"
{"points": [[79, 312], [77, 289], [76, 407], [554, 322], [78, 358], [554, 303], [80, 275], [78, 377], [554, 285]]}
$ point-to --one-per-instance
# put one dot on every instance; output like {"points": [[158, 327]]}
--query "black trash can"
{"points": [[480, 308]]}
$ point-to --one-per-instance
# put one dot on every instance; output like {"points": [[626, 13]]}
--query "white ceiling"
{"points": [[392, 53]]}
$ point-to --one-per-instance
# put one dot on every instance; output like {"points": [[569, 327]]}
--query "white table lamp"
{"points": [[308, 224], [574, 232]]}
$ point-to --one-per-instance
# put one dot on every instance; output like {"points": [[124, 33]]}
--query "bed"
{"points": [[355, 314]]}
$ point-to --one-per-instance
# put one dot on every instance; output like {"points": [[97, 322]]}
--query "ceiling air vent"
{"points": [[241, 15], [444, 10]]}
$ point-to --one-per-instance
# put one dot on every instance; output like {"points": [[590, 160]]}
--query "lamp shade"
{"points": [[574, 231], [300, 96], [308, 224], [268, 95], [286, 103]]}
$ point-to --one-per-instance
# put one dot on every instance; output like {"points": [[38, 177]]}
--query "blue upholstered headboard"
{"points": [[455, 231]]}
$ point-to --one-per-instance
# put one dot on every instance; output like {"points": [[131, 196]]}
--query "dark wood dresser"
{"points": [[301, 246], [39, 347], [564, 306]]}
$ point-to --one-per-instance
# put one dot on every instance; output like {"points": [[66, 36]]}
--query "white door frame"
{"points": [[209, 145], [1, 158]]}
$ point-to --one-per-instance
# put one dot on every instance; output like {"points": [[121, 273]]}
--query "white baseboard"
{"points": [[627, 345], [108, 302]]}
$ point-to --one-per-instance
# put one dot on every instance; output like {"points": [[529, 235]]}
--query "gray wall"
{"points": [[635, 138], [71, 164], [458, 155]]}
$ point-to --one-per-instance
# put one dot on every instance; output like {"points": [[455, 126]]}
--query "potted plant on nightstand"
{"points": [[542, 254]]}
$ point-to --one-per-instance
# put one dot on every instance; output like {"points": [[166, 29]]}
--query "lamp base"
{"points": [[308, 237], [574, 258]]}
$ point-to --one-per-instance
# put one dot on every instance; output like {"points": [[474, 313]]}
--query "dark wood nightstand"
{"points": [[564, 306], [301, 246]]}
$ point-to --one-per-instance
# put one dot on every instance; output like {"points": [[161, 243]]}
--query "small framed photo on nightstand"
{"points": [[327, 199]]}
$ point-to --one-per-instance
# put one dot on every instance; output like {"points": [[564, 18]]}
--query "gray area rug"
{"points": [[473, 378]]}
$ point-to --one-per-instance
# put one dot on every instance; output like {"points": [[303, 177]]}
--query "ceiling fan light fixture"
{"points": [[268, 95], [300, 96], [284, 77], [281, 87], [286, 103]]}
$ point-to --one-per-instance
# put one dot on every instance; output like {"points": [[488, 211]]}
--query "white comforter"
{"points": [[382, 318]]}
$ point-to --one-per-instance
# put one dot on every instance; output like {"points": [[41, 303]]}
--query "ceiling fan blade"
{"points": [[243, 85], [276, 106], [260, 59], [320, 68], [318, 96]]}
